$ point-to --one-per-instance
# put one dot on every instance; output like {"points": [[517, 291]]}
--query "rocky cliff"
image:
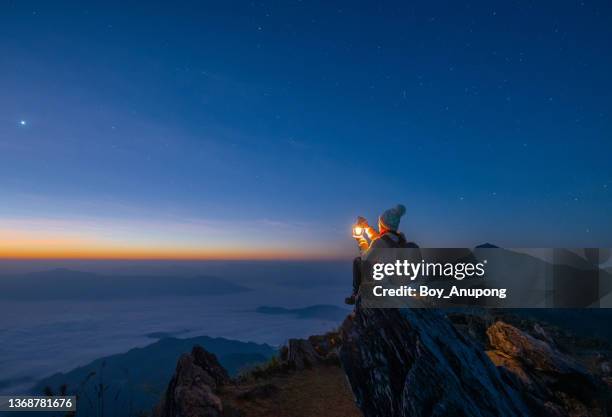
{"points": [[418, 363], [415, 363], [405, 363], [552, 383]]}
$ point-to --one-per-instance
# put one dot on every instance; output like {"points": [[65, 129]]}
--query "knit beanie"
{"points": [[391, 218]]}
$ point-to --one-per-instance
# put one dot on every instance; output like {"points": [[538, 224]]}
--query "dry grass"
{"points": [[316, 392]]}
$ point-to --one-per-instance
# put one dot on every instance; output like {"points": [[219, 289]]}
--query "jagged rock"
{"points": [[415, 363], [546, 376], [209, 363], [191, 391], [301, 354], [542, 334], [511, 342], [326, 344], [473, 326]]}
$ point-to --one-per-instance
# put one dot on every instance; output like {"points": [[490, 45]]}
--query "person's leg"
{"points": [[356, 281], [356, 274]]}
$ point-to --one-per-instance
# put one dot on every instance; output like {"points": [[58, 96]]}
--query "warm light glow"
{"points": [[43, 239], [357, 231], [46, 248], [153, 254]]}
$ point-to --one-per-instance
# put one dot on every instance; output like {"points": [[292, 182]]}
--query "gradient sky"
{"points": [[261, 129]]}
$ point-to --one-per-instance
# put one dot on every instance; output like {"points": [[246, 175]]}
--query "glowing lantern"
{"points": [[357, 231]]}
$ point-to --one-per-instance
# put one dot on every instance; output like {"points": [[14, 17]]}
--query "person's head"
{"points": [[390, 219]]}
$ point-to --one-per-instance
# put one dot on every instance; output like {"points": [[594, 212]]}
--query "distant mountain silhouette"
{"points": [[69, 284], [487, 245]]}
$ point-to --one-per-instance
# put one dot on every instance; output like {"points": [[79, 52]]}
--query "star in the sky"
{"points": [[22, 123]]}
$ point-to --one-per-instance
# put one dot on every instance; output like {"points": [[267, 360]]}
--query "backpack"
{"points": [[402, 243]]}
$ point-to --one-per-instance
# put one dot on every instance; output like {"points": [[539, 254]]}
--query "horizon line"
{"points": [[173, 259]]}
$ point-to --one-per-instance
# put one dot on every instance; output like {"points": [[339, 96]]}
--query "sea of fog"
{"points": [[39, 337], [42, 337]]}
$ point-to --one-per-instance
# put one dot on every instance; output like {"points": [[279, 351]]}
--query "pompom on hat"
{"points": [[391, 218]]}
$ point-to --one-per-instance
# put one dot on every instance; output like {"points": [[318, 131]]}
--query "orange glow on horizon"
{"points": [[148, 254], [18, 248], [42, 239]]}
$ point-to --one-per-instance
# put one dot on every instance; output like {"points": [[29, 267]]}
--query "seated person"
{"points": [[387, 236]]}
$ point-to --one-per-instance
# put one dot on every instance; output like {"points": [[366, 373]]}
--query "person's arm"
{"points": [[371, 252], [371, 232], [363, 244]]}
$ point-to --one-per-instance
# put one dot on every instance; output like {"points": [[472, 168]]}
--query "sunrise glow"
{"points": [[47, 239]]}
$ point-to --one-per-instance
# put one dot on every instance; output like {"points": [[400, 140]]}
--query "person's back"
{"points": [[387, 240]]}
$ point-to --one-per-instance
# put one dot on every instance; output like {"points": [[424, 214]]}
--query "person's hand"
{"points": [[363, 244], [371, 233], [362, 221]]}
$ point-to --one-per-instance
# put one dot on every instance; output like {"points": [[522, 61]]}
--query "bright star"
{"points": [[22, 122]]}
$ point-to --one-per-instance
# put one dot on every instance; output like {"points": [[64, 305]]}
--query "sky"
{"points": [[262, 129]]}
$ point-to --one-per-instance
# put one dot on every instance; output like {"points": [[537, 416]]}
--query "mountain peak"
{"points": [[487, 245]]}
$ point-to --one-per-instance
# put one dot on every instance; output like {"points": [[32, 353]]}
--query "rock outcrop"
{"points": [[306, 382], [418, 363], [552, 383], [299, 354], [201, 387], [192, 390], [413, 362], [404, 363]]}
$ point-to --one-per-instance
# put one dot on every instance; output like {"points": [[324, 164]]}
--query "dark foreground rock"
{"points": [[405, 363], [415, 363], [300, 354], [201, 388], [552, 383], [305, 380]]}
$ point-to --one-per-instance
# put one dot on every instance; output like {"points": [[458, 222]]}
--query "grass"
{"points": [[263, 370], [320, 391]]}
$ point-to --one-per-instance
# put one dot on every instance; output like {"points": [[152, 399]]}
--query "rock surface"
{"points": [[305, 353], [552, 383], [415, 363], [305, 381], [301, 354], [401, 363], [192, 390]]}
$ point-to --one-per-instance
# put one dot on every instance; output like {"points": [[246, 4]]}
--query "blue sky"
{"points": [[271, 125]]}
